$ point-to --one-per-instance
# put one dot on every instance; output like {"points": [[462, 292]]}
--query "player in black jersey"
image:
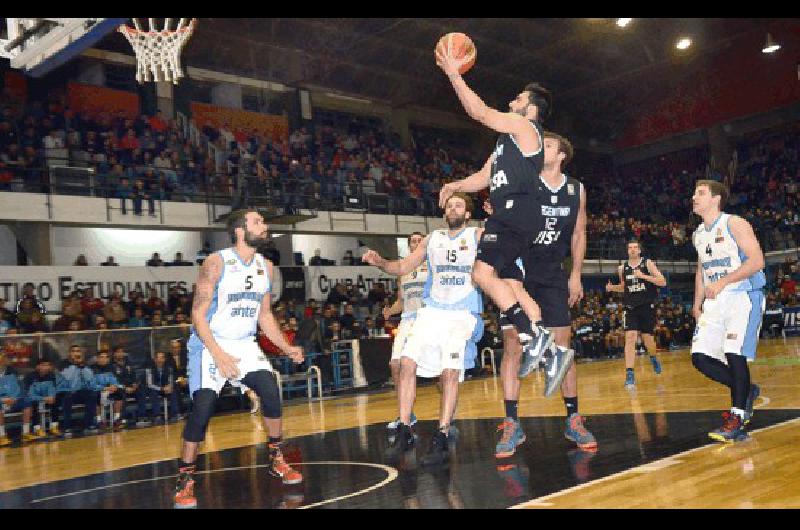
{"points": [[559, 216], [511, 174], [639, 278]]}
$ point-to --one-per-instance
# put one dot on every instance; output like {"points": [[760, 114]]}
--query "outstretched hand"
{"points": [[445, 60], [372, 257]]}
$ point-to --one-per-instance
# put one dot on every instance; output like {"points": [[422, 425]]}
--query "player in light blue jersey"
{"points": [[728, 303], [438, 341], [232, 298]]}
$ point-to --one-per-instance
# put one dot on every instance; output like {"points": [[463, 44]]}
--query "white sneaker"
{"points": [[392, 425]]}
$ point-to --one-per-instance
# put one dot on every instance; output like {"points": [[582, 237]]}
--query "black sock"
{"points": [[628, 371], [520, 320], [186, 466], [572, 405], [511, 408], [740, 373], [275, 440], [713, 369]]}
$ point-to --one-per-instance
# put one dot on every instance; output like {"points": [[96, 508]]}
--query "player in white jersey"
{"points": [[439, 338], [410, 290], [232, 297], [728, 303]]}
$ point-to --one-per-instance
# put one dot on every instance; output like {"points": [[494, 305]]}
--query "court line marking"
{"points": [[390, 472], [542, 501]]}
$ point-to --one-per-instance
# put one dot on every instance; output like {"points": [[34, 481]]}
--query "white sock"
{"points": [[116, 416], [99, 419], [2, 430], [26, 428], [53, 425], [738, 412], [37, 428]]}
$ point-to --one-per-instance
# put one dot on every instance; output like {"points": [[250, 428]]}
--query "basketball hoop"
{"points": [[158, 53]]}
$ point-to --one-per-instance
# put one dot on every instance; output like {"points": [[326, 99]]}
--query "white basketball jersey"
{"points": [[238, 295], [450, 262], [719, 255], [413, 285]]}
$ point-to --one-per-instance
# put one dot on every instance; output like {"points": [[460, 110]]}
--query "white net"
{"points": [[158, 52]]}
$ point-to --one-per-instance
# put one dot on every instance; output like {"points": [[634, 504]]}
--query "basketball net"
{"points": [[158, 53]]}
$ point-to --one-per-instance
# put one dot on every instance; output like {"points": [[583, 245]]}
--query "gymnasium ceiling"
{"points": [[599, 74]]}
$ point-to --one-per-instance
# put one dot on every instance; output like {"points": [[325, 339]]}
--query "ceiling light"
{"points": [[770, 46], [684, 43], [622, 22]]}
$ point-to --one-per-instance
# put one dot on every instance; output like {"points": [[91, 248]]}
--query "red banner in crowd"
{"points": [[93, 100], [740, 81], [241, 121], [15, 87]]}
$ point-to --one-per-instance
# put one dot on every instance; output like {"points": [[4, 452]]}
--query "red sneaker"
{"points": [[279, 468], [184, 490]]}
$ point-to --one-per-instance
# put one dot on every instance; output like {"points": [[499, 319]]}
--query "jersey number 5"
{"points": [[248, 282]]}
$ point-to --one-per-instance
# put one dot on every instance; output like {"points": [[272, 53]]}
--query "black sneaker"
{"points": [[402, 442], [439, 451]]}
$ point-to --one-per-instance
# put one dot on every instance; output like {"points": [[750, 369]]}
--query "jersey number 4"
{"points": [[708, 249]]}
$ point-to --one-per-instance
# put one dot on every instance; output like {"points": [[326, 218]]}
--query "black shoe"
{"points": [[439, 451], [402, 442]]}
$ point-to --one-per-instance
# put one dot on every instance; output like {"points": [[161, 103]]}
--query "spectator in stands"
{"points": [[138, 319], [109, 262], [29, 318], [91, 306], [316, 259], [788, 287], [155, 261], [115, 313], [13, 400], [203, 253], [338, 295], [179, 261], [81, 261], [773, 318], [7, 318], [160, 383], [157, 319], [178, 360], [124, 192], [139, 194], [129, 385], [108, 388], [154, 302], [347, 320], [40, 388], [270, 252], [76, 385], [27, 293]]}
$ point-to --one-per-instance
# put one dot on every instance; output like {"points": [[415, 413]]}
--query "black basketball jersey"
{"points": [[514, 176], [556, 212], [638, 292]]}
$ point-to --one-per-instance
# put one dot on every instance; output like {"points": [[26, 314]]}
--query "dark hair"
{"points": [[564, 146], [415, 234], [118, 348], [717, 189], [463, 196], [76, 346], [238, 219], [635, 241], [541, 97]]}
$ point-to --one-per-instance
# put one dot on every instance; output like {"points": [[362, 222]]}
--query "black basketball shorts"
{"points": [[501, 245], [547, 283], [640, 318]]}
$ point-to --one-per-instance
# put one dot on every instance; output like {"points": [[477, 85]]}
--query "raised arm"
{"points": [[401, 266], [475, 182]]}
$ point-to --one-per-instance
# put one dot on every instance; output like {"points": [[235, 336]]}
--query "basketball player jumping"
{"points": [[409, 299], [728, 304], [511, 173], [638, 279], [232, 297], [450, 318], [559, 217]]}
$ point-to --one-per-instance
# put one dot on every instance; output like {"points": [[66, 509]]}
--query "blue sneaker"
{"points": [[577, 433], [392, 425], [629, 380], [512, 437], [732, 429], [533, 350], [656, 364], [755, 391]]}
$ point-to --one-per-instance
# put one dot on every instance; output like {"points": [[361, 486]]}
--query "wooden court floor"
{"points": [[653, 449]]}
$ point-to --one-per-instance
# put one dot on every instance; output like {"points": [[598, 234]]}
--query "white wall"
{"points": [[331, 247], [129, 247], [8, 246]]}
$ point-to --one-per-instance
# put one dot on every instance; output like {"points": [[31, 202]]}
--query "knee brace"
{"points": [[265, 386], [203, 403]]}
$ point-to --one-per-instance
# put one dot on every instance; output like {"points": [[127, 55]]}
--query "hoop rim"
{"points": [[128, 29]]}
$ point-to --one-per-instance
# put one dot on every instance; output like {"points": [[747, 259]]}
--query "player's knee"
{"points": [[697, 360], [203, 403], [265, 386]]}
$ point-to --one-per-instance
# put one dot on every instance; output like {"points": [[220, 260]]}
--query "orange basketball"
{"points": [[460, 46]]}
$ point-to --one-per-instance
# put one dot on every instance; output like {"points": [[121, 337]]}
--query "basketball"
{"points": [[460, 46]]}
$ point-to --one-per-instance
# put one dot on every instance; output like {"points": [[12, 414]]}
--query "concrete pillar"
{"points": [[227, 95], [36, 240], [165, 99], [399, 124], [92, 73]]}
